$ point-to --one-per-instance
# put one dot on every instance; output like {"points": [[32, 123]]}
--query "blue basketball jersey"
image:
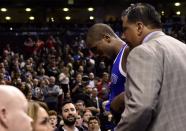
{"points": [[118, 77]]}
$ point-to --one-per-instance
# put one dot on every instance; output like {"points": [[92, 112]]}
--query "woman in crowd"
{"points": [[40, 117]]}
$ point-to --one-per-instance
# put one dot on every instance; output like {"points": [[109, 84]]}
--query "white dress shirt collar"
{"points": [[151, 34]]}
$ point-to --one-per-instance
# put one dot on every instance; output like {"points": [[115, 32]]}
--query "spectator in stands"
{"points": [[80, 106], [41, 74], [52, 68], [81, 70], [40, 117], [86, 103], [86, 115], [79, 121], [51, 93], [68, 97], [6, 76], [53, 119], [92, 81], [88, 90], [94, 124], [64, 80], [103, 84], [70, 68], [37, 92], [97, 102], [29, 46], [13, 110], [51, 42], [77, 86], [69, 117]]}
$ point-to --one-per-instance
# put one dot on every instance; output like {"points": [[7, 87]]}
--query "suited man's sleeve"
{"points": [[142, 87]]}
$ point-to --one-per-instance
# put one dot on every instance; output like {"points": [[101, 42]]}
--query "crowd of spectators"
{"points": [[52, 72], [60, 68]]}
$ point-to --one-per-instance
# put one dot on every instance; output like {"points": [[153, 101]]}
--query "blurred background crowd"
{"points": [[50, 63]]}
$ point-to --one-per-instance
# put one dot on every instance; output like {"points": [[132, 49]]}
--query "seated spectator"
{"points": [[80, 106], [94, 124], [79, 121], [6, 76], [53, 119], [40, 117], [87, 114], [69, 117]]}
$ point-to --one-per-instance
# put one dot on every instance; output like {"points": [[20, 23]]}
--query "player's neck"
{"points": [[118, 45]]}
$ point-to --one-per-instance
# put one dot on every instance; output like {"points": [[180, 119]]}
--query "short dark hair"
{"points": [[52, 113], [97, 31], [80, 101], [65, 102], [145, 13], [94, 118]]}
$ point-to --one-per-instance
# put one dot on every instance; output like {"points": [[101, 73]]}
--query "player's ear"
{"points": [[3, 117], [140, 28]]}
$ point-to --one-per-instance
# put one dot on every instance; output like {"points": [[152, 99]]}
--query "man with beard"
{"points": [[69, 117]]}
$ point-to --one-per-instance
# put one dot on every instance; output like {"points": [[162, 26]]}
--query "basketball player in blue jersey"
{"points": [[102, 40]]}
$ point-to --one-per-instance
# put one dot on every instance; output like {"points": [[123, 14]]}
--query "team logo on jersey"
{"points": [[114, 78]]}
